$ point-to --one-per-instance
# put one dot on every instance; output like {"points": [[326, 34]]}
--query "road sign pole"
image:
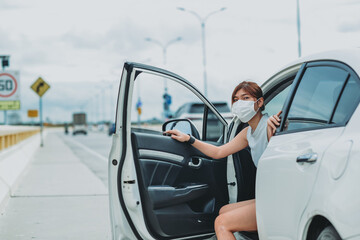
{"points": [[40, 87], [41, 123]]}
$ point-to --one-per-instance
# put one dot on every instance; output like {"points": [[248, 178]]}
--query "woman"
{"points": [[247, 104]]}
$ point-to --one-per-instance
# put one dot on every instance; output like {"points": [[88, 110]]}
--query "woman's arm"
{"points": [[235, 145]]}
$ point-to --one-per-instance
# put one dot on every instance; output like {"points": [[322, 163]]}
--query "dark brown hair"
{"points": [[251, 88]]}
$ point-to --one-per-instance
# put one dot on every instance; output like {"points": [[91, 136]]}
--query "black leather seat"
{"points": [[246, 177]]}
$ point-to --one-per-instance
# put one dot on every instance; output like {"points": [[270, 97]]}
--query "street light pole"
{"points": [[204, 56], [202, 22], [164, 50], [298, 26]]}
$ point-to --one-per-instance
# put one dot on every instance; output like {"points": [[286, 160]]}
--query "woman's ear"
{"points": [[261, 102]]}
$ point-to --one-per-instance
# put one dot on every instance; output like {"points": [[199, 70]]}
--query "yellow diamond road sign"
{"points": [[40, 86]]}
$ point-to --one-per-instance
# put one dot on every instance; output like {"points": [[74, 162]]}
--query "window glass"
{"points": [[214, 128], [349, 100], [276, 104], [194, 111], [315, 97], [179, 112], [152, 105]]}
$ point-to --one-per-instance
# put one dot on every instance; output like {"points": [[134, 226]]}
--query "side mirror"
{"points": [[183, 125]]}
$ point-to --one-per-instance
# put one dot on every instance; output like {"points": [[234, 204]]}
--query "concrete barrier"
{"points": [[18, 144], [11, 135]]}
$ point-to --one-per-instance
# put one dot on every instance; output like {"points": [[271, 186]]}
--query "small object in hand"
{"points": [[167, 134]]}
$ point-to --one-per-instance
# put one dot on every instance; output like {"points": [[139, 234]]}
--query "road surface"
{"points": [[63, 193]]}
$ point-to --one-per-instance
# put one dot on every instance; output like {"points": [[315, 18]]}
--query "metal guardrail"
{"points": [[11, 135]]}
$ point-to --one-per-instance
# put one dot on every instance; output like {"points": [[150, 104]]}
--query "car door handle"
{"points": [[195, 162], [307, 158]]}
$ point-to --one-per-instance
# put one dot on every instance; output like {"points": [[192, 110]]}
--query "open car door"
{"points": [[160, 188]]}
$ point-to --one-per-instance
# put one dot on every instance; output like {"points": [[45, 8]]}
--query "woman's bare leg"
{"points": [[239, 219], [231, 206]]}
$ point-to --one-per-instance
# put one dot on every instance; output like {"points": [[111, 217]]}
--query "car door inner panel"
{"points": [[182, 189]]}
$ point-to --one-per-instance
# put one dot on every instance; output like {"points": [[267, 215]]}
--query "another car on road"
{"points": [[111, 130], [79, 123], [306, 180], [194, 111]]}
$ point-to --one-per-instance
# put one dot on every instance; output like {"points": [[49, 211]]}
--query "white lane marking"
{"points": [[89, 150]]}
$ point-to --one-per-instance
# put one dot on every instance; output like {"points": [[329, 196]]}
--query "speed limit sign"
{"points": [[9, 91]]}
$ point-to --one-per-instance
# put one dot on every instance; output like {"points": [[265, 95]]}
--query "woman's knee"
{"points": [[220, 224]]}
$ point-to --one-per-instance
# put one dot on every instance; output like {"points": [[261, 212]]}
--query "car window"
{"points": [[156, 100], [179, 111], [277, 102], [214, 128], [315, 97], [348, 102]]}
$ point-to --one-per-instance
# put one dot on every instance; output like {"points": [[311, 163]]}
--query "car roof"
{"points": [[350, 57]]}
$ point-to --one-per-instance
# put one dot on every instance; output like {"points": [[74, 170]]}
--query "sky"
{"points": [[79, 47]]}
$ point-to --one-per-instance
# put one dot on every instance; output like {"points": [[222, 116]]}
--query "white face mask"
{"points": [[244, 110]]}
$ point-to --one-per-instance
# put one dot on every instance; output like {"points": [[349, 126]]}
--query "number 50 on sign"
{"points": [[8, 85], [9, 88]]}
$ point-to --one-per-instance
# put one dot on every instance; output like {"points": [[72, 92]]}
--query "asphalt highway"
{"points": [[92, 149]]}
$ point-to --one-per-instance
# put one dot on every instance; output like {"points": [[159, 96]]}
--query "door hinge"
{"points": [[129, 182]]}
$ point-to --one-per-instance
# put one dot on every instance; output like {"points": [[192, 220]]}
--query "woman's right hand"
{"points": [[177, 135], [274, 122]]}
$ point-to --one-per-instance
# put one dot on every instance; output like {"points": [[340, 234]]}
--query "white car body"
{"points": [[290, 196], [306, 179]]}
